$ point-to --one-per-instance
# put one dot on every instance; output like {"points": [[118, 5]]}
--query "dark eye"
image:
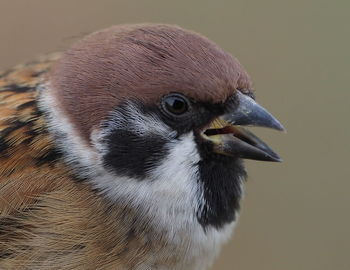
{"points": [[175, 104]]}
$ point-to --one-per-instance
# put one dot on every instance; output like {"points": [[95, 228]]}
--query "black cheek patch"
{"points": [[134, 155], [221, 178]]}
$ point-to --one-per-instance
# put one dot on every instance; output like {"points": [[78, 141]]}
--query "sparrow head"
{"points": [[153, 115]]}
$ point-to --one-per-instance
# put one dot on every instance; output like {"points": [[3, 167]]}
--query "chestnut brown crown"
{"points": [[142, 62]]}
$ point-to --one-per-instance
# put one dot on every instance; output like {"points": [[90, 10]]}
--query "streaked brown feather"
{"points": [[48, 220]]}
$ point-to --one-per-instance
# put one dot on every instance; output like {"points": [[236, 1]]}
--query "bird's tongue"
{"points": [[218, 131]]}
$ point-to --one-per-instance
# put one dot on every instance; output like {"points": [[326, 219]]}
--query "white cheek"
{"points": [[171, 194], [172, 189]]}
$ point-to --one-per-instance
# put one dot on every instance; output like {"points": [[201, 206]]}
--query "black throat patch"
{"points": [[221, 178]]}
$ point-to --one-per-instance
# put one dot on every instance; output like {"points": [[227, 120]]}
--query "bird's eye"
{"points": [[175, 104]]}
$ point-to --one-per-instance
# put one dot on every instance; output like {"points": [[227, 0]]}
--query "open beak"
{"points": [[230, 138]]}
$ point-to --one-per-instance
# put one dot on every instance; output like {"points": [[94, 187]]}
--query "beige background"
{"points": [[295, 214]]}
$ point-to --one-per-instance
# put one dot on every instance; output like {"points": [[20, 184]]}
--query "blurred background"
{"points": [[295, 215]]}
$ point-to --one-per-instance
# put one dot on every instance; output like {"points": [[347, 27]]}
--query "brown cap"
{"points": [[143, 61]]}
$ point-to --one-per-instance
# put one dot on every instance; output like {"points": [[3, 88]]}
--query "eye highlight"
{"points": [[175, 104]]}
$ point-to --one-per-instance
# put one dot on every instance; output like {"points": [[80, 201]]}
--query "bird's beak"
{"points": [[230, 138]]}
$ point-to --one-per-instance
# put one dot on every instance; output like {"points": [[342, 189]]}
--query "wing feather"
{"points": [[47, 219]]}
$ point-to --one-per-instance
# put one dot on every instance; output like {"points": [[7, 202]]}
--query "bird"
{"points": [[125, 151]]}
